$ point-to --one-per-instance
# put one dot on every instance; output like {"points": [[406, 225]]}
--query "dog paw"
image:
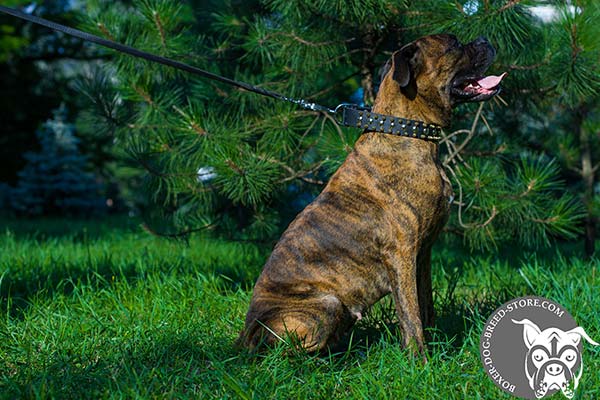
{"points": [[542, 390], [567, 391]]}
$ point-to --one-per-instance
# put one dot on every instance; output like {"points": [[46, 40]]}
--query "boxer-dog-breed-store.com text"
{"points": [[369, 233]]}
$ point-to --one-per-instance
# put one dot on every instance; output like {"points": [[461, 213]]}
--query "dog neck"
{"points": [[411, 103]]}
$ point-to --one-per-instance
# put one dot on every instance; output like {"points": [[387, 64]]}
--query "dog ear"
{"points": [[405, 64], [383, 71], [530, 331], [577, 333]]}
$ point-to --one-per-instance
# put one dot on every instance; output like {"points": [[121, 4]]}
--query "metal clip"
{"points": [[339, 115]]}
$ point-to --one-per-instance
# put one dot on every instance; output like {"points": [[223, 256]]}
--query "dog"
{"points": [[553, 361], [369, 233]]}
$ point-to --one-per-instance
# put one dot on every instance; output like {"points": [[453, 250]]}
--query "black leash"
{"points": [[345, 114]]}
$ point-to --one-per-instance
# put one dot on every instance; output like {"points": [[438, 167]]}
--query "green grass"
{"points": [[101, 310]]}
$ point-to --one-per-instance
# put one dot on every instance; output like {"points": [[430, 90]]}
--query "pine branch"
{"points": [[161, 29], [191, 122], [156, 172], [493, 153], [471, 133], [333, 86], [305, 42], [105, 31], [530, 67], [542, 90], [144, 95], [339, 57], [253, 148], [509, 4], [177, 235], [302, 175]]}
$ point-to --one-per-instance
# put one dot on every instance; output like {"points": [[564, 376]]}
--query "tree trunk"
{"points": [[587, 175]]}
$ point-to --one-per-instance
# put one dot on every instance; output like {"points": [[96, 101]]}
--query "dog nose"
{"points": [[482, 44], [480, 41], [554, 369]]}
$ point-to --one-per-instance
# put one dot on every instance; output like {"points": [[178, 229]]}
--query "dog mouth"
{"points": [[476, 88]]}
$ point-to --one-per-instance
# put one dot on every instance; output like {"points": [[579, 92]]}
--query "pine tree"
{"points": [[10, 41], [575, 118], [36, 69], [55, 179], [216, 156]]}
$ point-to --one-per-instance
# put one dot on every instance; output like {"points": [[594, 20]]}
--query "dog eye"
{"points": [[570, 356], [538, 355]]}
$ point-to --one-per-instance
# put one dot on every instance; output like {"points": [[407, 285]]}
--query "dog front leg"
{"points": [[403, 277], [424, 289]]}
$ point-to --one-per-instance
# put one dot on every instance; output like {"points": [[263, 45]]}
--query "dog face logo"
{"points": [[553, 361], [532, 348]]}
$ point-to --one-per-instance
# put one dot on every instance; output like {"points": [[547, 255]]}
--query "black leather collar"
{"points": [[373, 122]]}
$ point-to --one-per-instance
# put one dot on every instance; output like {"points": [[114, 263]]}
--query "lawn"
{"points": [[96, 309]]}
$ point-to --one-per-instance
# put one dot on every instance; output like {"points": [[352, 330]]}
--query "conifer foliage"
{"points": [[219, 157], [55, 179]]}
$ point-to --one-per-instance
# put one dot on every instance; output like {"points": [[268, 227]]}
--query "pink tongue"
{"points": [[490, 82]]}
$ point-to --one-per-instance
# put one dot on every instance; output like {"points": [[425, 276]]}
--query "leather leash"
{"points": [[345, 114]]}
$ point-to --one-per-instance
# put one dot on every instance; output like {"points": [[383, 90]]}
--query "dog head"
{"points": [[435, 73], [553, 361]]}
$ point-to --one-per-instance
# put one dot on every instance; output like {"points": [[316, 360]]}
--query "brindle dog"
{"points": [[370, 231]]}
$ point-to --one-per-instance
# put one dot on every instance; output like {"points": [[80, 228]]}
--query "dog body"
{"points": [[362, 237], [370, 232], [553, 361]]}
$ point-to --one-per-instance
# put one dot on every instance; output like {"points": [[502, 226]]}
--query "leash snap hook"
{"points": [[340, 115]]}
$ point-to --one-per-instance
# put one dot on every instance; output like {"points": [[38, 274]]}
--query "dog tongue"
{"points": [[490, 82]]}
